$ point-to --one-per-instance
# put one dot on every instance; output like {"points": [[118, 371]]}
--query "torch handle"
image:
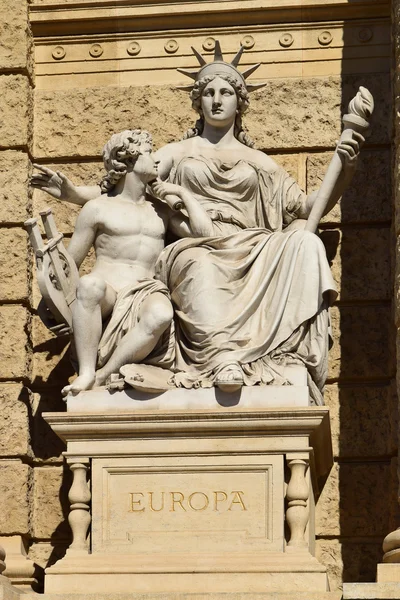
{"points": [[333, 172]]}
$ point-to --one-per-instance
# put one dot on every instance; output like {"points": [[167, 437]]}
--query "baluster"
{"points": [[297, 513], [79, 517]]}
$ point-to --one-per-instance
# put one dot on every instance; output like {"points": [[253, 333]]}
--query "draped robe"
{"points": [[252, 294]]}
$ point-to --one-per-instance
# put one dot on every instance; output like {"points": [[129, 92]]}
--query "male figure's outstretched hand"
{"points": [[54, 183]]}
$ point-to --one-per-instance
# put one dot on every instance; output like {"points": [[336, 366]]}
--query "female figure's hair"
{"points": [[243, 104], [121, 151]]}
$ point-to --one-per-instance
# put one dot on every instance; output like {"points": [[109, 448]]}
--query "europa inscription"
{"points": [[197, 501], [148, 506]]}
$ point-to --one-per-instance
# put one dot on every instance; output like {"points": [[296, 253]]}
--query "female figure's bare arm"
{"points": [[348, 151], [60, 187], [164, 157]]}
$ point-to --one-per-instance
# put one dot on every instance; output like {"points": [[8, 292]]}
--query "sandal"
{"points": [[229, 378]]}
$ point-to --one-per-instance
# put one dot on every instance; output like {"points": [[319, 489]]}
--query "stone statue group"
{"points": [[245, 288]]}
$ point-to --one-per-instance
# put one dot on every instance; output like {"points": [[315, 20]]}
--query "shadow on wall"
{"points": [[363, 391]]}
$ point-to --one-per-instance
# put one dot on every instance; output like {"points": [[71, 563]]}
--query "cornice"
{"points": [[55, 18]]}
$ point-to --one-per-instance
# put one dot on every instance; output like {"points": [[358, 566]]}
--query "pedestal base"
{"points": [[8, 591], [193, 499], [177, 574]]}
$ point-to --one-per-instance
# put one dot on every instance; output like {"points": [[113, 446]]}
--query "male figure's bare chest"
{"points": [[129, 219]]}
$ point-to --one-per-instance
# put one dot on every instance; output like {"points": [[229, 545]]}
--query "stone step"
{"points": [[194, 596], [371, 591]]}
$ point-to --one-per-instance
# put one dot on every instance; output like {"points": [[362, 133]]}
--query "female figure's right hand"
{"points": [[54, 183]]}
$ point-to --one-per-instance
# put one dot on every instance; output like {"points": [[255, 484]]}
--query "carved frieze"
{"points": [[137, 57]]}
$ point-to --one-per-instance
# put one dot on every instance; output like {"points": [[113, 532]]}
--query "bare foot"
{"points": [[81, 383], [101, 378], [230, 378]]}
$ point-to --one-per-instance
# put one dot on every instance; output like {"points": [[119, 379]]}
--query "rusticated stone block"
{"points": [[306, 113], [349, 561], [356, 277], [14, 177], [329, 553], [14, 41], [78, 122], [65, 213], [294, 113], [368, 197], [352, 503], [14, 493], [394, 496], [14, 428], [397, 281], [361, 419], [363, 345], [50, 504], [13, 341], [46, 445], [14, 266], [294, 164], [46, 554], [51, 364], [16, 109], [396, 185]]}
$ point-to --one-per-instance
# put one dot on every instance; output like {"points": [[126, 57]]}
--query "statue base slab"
{"points": [[218, 500], [103, 400]]}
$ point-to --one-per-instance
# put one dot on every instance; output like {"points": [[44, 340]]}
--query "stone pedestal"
{"points": [[20, 571], [217, 499]]}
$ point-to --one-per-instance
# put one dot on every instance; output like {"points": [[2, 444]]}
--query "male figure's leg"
{"points": [[155, 316], [94, 301]]}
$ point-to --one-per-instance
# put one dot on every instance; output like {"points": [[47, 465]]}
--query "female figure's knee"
{"points": [[91, 289], [307, 237]]}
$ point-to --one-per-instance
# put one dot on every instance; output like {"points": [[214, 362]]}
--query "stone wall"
{"points": [[297, 121], [16, 136]]}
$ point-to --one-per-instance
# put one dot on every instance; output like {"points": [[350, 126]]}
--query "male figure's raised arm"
{"points": [[60, 187], [84, 233]]}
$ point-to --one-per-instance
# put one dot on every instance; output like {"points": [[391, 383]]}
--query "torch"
{"points": [[360, 111]]}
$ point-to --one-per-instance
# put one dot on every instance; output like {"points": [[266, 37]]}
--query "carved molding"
{"points": [[102, 16], [142, 57]]}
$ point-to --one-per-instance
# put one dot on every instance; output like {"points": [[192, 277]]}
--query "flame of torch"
{"points": [[360, 110]]}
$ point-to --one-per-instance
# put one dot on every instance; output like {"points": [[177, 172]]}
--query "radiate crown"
{"points": [[220, 67]]}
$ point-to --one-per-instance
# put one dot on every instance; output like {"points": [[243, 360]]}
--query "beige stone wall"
{"points": [[16, 135], [297, 121]]}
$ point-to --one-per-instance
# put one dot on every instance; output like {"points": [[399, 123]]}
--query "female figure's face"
{"points": [[219, 103]]}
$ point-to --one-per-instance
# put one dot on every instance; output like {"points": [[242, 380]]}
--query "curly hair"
{"points": [[122, 150], [243, 104]]}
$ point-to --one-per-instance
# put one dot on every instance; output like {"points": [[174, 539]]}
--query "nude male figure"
{"points": [[127, 229]]}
